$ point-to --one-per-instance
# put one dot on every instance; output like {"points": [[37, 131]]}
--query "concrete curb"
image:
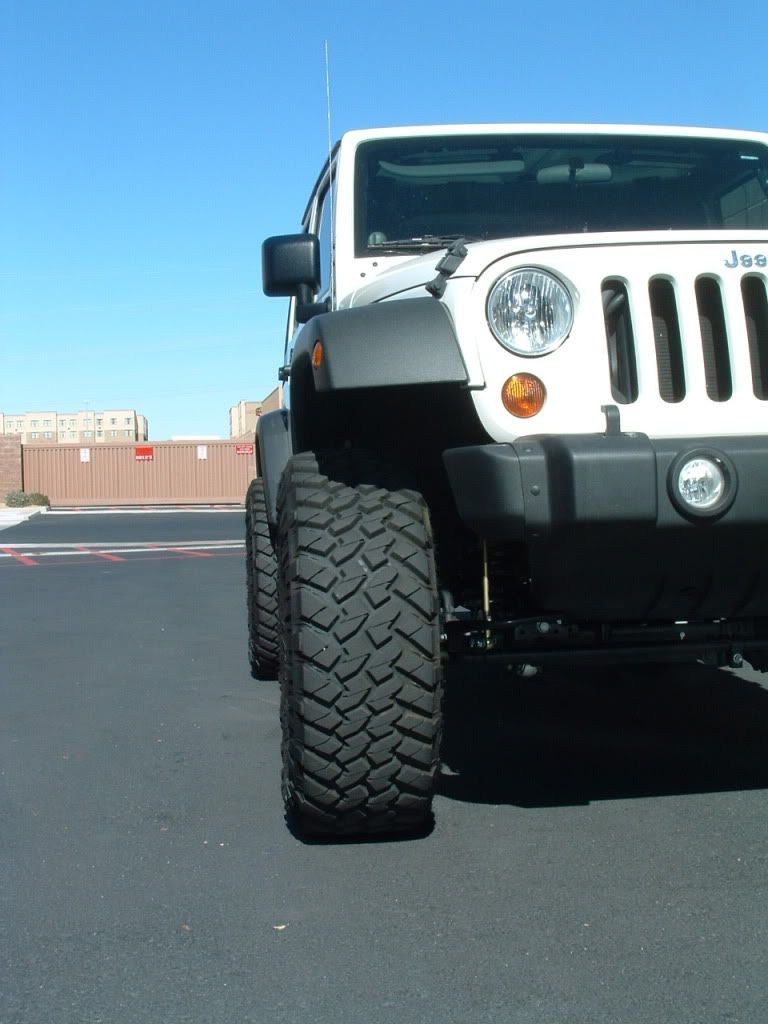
{"points": [[14, 516]]}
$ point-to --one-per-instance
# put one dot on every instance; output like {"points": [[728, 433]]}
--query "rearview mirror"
{"points": [[585, 174]]}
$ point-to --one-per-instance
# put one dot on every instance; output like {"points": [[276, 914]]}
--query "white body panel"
{"points": [[576, 375]]}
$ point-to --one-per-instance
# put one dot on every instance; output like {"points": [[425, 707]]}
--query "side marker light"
{"points": [[523, 395]]}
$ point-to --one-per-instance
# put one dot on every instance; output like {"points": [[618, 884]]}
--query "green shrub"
{"points": [[36, 498], [18, 499]]}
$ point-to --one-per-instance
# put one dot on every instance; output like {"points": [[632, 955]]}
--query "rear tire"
{"points": [[261, 579], [360, 673]]}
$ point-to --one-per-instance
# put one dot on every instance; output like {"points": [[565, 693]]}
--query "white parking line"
{"points": [[103, 545], [22, 552], [139, 511]]}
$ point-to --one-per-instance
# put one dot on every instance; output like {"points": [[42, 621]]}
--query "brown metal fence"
{"points": [[164, 472]]}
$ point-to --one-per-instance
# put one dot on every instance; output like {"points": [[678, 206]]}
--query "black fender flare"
{"points": [[386, 344], [274, 447]]}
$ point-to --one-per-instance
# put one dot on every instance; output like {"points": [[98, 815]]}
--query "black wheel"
{"points": [[360, 673], [261, 578]]}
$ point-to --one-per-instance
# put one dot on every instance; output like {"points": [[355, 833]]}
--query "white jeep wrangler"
{"points": [[526, 419]]}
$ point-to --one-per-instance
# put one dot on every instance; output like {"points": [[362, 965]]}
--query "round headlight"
{"points": [[530, 312], [702, 484]]}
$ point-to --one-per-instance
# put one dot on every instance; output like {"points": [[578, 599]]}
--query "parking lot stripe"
{"points": [[32, 553], [24, 559], [141, 510], [99, 554]]}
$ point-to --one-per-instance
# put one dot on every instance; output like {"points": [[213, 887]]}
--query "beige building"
{"points": [[51, 427], [243, 416]]}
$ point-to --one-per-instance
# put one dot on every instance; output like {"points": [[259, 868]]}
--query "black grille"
{"points": [[714, 339], [666, 335], [621, 342], [622, 338], [756, 312]]}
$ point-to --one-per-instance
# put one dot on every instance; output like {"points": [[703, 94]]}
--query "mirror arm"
{"points": [[306, 310]]}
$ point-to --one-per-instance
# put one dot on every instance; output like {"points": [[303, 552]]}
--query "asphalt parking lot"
{"points": [[599, 852]]}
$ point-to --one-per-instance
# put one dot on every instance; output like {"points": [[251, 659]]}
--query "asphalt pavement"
{"points": [[598, 855]]}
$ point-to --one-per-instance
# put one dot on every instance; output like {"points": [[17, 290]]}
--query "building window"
{"points": [[112, 421], [128, 433], [46, 423], [47, 434], [34, 435], [128, 421], [33, 423], [87, 433], [113, 433]]}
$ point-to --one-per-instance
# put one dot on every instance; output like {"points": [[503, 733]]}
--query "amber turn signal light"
{"points": [[317, 355], [523, 395]]}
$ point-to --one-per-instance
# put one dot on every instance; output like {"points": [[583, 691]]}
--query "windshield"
{"points": [[414, 193]]}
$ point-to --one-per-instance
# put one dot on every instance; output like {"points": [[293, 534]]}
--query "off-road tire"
{"points": [[261, 579], [360, 671]]}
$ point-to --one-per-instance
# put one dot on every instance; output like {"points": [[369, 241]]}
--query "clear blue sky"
{"points": [[147, 148]]}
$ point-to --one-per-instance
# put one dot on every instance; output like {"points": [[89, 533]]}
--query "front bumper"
{"points": [[602, 533]]}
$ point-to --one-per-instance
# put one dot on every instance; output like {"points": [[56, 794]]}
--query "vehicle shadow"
{"points": [[566, 738]]}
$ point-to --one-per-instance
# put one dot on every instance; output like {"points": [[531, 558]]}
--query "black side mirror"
{"points": [[290, 264]]}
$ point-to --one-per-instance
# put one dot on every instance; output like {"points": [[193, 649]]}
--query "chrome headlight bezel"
{"points": [[541, 326]]}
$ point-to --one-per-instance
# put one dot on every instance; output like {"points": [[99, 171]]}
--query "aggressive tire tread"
{"points": [[359, 633], [261, 579]]}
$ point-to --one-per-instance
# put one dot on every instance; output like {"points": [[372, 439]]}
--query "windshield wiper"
{"points": [[421, 243]]}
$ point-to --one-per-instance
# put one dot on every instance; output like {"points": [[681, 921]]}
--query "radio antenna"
{"points": [[332, 183]]}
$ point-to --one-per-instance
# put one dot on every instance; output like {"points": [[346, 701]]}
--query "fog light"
{"points": [[702, 483], [523, 395]]}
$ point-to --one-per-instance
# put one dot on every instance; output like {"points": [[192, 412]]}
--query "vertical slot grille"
{"points": [[666, 335], [714, 340], [753, 292], [621, 341]]}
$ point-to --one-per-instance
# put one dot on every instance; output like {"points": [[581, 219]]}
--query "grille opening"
{"points": [[621, 342], [666, 336], [755, 298], [714, 340]]}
